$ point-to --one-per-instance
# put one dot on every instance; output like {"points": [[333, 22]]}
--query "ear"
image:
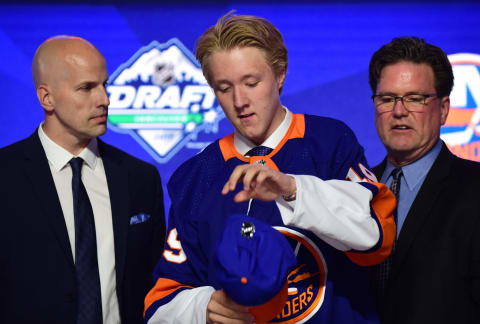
{"points": [[45, 97], [281, 78], [444, 109]]}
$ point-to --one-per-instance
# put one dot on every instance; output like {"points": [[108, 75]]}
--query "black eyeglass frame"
{"points": [[396, 98]]}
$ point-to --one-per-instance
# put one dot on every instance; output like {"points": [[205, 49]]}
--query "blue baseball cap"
{"points": [[251, 264]]}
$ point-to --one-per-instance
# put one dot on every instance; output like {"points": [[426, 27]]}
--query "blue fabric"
{"points": [[140, 218], [411, 180], [262, 257], [259, 151], [89, 305], [327, 286]]}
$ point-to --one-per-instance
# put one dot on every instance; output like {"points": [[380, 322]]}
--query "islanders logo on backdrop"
{"points": [[461, 131], [306, 283], [161, 98]]}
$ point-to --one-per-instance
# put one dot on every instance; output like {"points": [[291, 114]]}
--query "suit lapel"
{"points": [[379, 169], [422, 206], [117, 181], [39, 174]]}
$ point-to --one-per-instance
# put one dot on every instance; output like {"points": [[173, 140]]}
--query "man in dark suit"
{"points": [[434, 275], [82, 222]]}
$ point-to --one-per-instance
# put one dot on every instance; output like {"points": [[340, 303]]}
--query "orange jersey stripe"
{"points": [[162, 288], [383, 204], [296, 130]]}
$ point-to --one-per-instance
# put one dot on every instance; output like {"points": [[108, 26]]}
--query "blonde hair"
{"points": [[233, 31]]}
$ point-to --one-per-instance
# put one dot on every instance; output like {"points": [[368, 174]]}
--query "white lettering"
{"points": [[121, 96], [466, 77], [151, 96], [369, 174], [194, 94], [146, 96], [170, 98], [353, 176], [190, 95], [174, 244]]}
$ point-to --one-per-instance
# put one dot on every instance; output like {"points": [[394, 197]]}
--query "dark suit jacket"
{"points": [[436, 263], [37, 275]]}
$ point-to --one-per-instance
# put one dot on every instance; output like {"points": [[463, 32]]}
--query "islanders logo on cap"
{"points": [[161, 98], [461, 131], [306, 283]]}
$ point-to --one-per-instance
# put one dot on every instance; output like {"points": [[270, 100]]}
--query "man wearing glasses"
{"points": [[433, 274]]}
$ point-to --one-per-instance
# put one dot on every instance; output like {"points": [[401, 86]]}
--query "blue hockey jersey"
{"points": [[329, 285]]}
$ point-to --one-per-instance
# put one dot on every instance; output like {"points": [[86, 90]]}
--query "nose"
{"points": [[399, 109], [104, 101], [240, 100]]}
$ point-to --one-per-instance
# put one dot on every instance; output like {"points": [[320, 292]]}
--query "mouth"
{"points": [[401, 127], [246, 116], [100, 118]]}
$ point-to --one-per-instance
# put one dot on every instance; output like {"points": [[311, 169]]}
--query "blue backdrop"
{"points": [[329, 44]]}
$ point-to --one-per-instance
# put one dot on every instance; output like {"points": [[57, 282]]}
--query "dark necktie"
{"points": [[89, 305], [259, 151], [381, 272], [395, 185]]}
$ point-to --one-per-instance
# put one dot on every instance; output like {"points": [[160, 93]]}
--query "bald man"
{"points": [[67, 256]]}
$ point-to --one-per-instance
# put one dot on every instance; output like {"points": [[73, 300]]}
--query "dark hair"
{"points": [[416, 50]]}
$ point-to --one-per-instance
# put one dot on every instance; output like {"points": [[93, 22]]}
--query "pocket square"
{"points": [[139, 218]]}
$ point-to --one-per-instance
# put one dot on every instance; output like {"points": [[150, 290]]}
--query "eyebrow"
{"points": [[89, 84], [92, 83], [247, 76], [395, 94]]}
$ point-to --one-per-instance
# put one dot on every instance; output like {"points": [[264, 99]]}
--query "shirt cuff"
{"points": [[287, 208]]}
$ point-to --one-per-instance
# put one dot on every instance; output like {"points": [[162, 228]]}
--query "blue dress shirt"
{"points": [[411, 180]]}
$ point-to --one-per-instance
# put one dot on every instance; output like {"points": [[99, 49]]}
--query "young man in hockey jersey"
{"points": [[312, 183]]}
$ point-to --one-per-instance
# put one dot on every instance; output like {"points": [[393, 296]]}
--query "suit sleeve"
{"points": [[351, 211], [159, 218], [475, 265]]}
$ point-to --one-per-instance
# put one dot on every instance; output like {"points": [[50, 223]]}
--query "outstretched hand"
{"points": [[259, 182]]}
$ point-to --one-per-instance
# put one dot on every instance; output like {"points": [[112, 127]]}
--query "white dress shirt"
{"points": [[95, 182]]}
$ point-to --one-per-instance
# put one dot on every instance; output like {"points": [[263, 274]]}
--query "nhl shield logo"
{"points": [[161, 98], [461, 131]]}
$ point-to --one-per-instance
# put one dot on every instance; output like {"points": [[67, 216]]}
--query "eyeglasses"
{"points": [[411, 102]]}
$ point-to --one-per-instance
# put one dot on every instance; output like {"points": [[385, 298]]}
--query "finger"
{"points": [[225, 189], [221, 297], [235, 177], [276, 183], [231, 184], [250, 175], [263, 176], [223, 309], [243, 195]]}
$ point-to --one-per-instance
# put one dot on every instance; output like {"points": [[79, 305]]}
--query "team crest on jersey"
{"points": [[461, 131], [161, 98], [306, 283]]}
